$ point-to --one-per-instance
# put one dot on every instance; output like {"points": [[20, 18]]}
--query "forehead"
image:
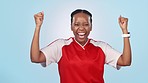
{"points": [[81, 16]]}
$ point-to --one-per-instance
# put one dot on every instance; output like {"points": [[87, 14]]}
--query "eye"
{"points": [[76, 24], [86, 24]]}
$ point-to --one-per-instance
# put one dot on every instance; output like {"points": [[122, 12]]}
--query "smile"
{"points": [[81, 35]]}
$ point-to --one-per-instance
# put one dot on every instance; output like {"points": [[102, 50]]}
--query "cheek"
{"points": [[73, 28], [89, 29]]}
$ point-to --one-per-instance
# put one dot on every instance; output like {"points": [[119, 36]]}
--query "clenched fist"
{"points": [[39, 17], [123, 22]]}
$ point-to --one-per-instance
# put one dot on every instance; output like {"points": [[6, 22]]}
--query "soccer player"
{"points": [[79, 58]]}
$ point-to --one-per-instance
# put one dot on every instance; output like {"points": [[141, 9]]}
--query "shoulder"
{"points": [[98, 43], [62, 41], [103, 45]]}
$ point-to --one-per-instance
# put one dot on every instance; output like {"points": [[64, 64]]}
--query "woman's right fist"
{"points": [[39, 18]]}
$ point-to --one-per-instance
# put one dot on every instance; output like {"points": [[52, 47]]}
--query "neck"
{"points": [[82, 43]]}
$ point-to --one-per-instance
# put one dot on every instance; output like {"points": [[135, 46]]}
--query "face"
{"points": [[81, 27]]}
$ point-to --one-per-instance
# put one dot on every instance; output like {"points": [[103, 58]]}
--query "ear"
{"points": [[91, 27], [71, 27]]}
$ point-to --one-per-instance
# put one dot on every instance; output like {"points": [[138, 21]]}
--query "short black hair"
{"points": [[81, 11]]}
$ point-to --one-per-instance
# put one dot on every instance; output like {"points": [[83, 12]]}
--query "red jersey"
{"points": [[80, 64]]}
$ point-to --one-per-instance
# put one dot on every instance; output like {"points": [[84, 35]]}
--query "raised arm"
{"points": [[35, 54], [125, 58]]}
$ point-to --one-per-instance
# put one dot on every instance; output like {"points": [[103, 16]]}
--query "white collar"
{"points": [[80, 44]]}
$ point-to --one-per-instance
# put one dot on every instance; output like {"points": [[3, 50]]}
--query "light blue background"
{"points": [[17, 28]]}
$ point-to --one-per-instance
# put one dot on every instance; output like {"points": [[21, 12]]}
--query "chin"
{"points": [[81, 40]]}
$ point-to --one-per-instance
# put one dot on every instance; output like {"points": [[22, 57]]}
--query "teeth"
{"points": [[81, 36], [81, 33]]}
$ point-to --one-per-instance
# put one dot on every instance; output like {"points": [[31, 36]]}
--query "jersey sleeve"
{"points": [[112, 56], [52, 52]]}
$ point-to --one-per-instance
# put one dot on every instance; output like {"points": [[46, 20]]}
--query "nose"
{"points": [[81, 27]]}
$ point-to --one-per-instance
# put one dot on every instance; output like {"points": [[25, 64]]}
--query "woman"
{"points": [[80, 59]]}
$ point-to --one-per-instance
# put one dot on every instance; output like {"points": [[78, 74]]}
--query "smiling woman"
{"points": [[79, 58], [81, 25]]}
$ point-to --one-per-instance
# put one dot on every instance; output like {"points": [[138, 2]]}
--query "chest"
{"points": [[81, 64], [89, 56]]}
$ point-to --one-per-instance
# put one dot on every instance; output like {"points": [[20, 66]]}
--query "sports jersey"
{"points": [[80, 64]]}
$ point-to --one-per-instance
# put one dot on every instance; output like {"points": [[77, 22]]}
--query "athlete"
{"points": [[79, 58]]}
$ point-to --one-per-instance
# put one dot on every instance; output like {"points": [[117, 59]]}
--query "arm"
{"points": [[35, 54], [125, 58]]}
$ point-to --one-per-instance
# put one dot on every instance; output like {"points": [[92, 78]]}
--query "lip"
{"points": [[81, 35]]}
